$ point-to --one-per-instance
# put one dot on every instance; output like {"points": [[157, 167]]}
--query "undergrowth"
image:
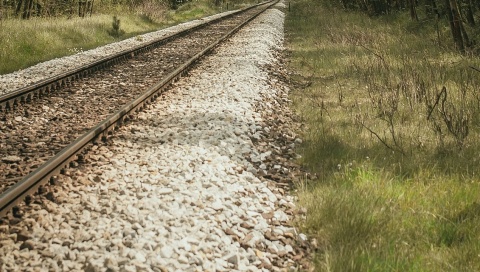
{"points": [[392, 113]]}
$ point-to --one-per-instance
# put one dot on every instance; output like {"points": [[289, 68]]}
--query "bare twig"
{"points": [[376, 54], [475, 68], [381, 140], [439, 95]]}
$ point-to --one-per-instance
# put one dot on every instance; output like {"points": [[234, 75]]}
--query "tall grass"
{"points": [[392, 115], [27, 42]]}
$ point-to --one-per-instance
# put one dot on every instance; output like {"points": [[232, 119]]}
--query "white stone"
{"points": [[166, 252], [164, 191]]}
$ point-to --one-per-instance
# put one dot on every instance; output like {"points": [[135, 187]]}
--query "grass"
{"points": [[26, 42], [191, 10], [395, 156], [195, 10]]}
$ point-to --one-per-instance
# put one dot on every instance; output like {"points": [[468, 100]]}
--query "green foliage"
{"points": [[398, 183], [26, 9], [24, 43], [115, 31]]}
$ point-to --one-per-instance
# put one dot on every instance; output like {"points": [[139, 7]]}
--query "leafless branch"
{"points": [[475, 68], [381, 140]]}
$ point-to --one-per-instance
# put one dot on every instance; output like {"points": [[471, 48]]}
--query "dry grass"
{"points": [[393, 122]]}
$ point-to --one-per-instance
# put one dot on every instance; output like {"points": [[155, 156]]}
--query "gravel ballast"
{"points": [[179, 188]]}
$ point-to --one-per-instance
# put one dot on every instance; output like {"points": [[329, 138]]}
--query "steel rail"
{"points": [[45, 86], [61, 160]]}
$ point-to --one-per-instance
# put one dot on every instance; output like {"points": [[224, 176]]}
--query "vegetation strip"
{"points": [[391, 110]]}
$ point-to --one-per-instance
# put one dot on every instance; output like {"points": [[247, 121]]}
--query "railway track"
{"points": [[46, 127]]}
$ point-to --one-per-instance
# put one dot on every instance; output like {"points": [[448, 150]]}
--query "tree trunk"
{"points": [[30, 9], [465, 35], [413, 10], [26, 9], [469, 13], [455, 24], [19, 7], [90, 8], [82, 6]]}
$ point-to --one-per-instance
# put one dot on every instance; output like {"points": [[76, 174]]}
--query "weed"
{"points": [[115, 31]]}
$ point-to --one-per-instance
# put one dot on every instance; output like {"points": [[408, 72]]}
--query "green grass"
{"points": [[26, 42], [195, 10], [367, 220], [191, 10], [396, 189]]}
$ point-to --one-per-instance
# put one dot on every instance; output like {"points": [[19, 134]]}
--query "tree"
{"points": [[413, 9], [85, 7], [26, 10], [469, 13], [459, 34]]}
